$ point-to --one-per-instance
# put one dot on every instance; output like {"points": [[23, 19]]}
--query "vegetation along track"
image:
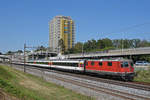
{"points": [[93, 83]]}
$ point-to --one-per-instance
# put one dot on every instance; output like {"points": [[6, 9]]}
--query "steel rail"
{"points": [[99, 79], [97, 88]]}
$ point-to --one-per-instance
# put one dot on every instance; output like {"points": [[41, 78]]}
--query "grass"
{"points": [[29, 87], [142, 76]]}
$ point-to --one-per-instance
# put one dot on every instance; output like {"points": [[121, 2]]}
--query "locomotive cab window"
{"points": [[92, 63], [100, 64], [109, 63], [124, 64], [131, 63]]}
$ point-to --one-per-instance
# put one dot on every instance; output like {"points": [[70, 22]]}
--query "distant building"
{"points": [[61, 28]]}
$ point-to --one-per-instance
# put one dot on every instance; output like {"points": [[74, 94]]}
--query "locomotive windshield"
{"points": [[124, 64]]}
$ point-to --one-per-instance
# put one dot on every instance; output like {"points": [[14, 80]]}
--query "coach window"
{"points": [[76, 64], [92, 63], [109, 63], [100, 64]]}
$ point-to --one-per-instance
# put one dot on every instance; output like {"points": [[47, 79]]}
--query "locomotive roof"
{"points": [[118, 59], [77, 60]]}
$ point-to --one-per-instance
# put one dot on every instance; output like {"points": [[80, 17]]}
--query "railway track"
{"points": [[99, 79], [115, 82], [100, 85], [96, 88]]}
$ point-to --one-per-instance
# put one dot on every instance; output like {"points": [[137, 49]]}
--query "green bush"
{"points": [[142, 76]]}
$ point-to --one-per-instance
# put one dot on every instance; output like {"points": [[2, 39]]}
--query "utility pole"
{"points": [[24, 57], [25, 47], [11, 60]]}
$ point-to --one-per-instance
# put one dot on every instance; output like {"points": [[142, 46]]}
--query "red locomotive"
{"points": [[119, 67], [111, 67]]}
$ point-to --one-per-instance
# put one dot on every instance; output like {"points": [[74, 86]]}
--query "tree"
{"points": [[144, 43], [19, 51], [136, 42], [126, 43], [70, 51], [61, 45], [87, 46], [107, 43], [93, 44], [0, 53], [116, 43], [100, 44], [9, 53], [41, 48], [78, 47]]}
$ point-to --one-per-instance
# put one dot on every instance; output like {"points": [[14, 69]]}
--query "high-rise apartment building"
{"points": [[61, 28]]}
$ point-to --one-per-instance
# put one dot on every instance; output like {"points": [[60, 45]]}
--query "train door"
{"points": [[118, 67], [85, 63], [105, 66], [115, 66]]}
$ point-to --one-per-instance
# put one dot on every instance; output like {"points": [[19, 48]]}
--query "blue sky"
{"points": [[27, 20]]}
